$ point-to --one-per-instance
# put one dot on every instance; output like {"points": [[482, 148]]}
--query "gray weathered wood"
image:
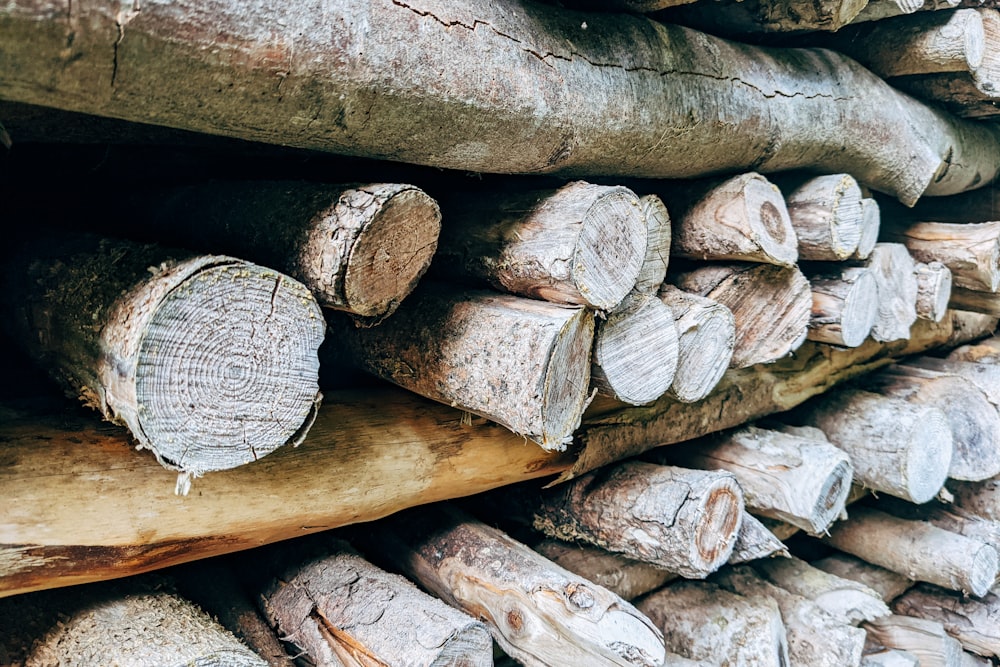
{"points": [[844, 304], [934, 285], [972, 621], [970, 250], [924, 639], [871, 222], [623, 576], [888, 584], [826, 214], [896, 286]]}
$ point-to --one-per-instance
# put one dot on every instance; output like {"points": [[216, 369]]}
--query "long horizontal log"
{"points": [[431, 83]]}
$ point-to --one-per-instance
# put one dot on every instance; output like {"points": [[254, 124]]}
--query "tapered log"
{"points": [[538, 612], [969, 620], [756, 541], [970, 250], [659, 231], [579, 244], [209, 361], [520, 362], [889, 657], [844, 305], [917, 549], [896, 285], [804, 482], [934, 284], [702, 621], [826, 214], [770, 306], [742, 218], [684, 521], [622, 576], [635, 350], [706, 337], [780, 109], [925, 640], [871, 222], [896, 447]]}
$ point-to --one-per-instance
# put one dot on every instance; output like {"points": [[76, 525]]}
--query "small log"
{"points": [[684, 521], [947, 516], [844, 305], [580, 244], [539, 613], [871, 223], [703, 621], [770, 306], [987, 303], [520, 362], [896, 447], [706, 338], [917, 549], [625, 577], [970, 250], [826, 214], [658, 241], [971, 621], [755, 541], [803, 482], [896, 285], [889, 657], [934, 284], [209, 361], [888, 584], [925, 640]]}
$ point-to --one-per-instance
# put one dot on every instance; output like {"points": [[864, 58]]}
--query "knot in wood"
{"points": [[579, 595]]}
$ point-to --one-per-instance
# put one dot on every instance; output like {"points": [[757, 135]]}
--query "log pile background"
{"points": [[430, 333]]}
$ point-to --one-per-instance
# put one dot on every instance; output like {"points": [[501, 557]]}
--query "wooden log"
{"points": [[925, 640], [659, 232], [888, 657], [900, 448], [981, 499], [802, 481], [336, 607], [635, 350], [741, 218], [844, 305], [539, 613], [703, 621], [969, 620], [520, 362], [209, 361], [871, 222], [934, 284], [917, 549], [625, 577], [983, 376], [970, 250], [684, 521], [948, 517], [780, 109], [755, 541], [826, 214], [985, 351], [764, 17], [975, 301], [878, 10], [770, 306], [580, 244], [888, 584], [706, 338], [896, 285]]}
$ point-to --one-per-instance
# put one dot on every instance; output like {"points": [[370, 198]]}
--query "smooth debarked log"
{"points": [[523, 363], [844, 305], [210, 361], [826, 214], [934, 286], [970, 250], [896, 287], [971, 621]]}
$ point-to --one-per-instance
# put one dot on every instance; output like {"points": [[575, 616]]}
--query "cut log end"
{"points": [[844, 308], [564, 388], [826, 213], [871, 223], [616, 226], [722, 508], [933, 290], [928, 457], [768, 217]]}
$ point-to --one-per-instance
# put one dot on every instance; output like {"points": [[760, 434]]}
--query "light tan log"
{"points": [[916, 549], [871, 222], [896, 447], [826, 214], [971, 621], [844, 305], [934, 284], [975, 301], [539, 613], [985, 377], [926, 640], [896, 285], [622, 576], [889, 657], [741, 218], [887, 584], [815, 637], [802, 481], [659, 231], [635, 350], [581, 243], [685, 521], [209, 361], [706, 337], [756, 541], [703, 621], [770, 306], [520, 362], [452, 105], [984, 351], [970, 250]]}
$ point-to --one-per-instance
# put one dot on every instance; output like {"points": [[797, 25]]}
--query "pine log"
{"points": [[635, 350], [580, 244], [702, 621], [539, 613], [706, 337], [625, 577], [659, 232], [888, 584], [770, 306], [804, 482], [826, 214], [970, 250], [209, 361], [844, 305], [896, 286], [971, 621], [399, 92], [917, 549], [889, 657], [871, 223], [755, 541], [520, 362], [684, 521], [925, 640], [934, 284]]}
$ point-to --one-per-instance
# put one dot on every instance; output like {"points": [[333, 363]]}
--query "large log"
{"points": [[431, 83], [210, 361]]}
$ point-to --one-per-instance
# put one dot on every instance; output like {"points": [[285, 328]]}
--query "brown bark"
{"points": [[826, 214], [844, 305], [896, 286], [970, 250], [622, 576], [925, 640], [971, 621], [934, 285]]}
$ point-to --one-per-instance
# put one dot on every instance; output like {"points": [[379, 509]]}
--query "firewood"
{"points": [[844, 304], [581, 243], [925, 640], [706, 337], [900, 448], [917, 549], [755, 541], [462, 113], [934, 284], [896, 285], [826, 214], [985, 351], [987, 303], [888, 584], [889, 657], [625, 577], [971, 621], [703, 621], [878, 10], [539, 613], [770, 306], [970, 250], [523, 363], [659, 230], [209, 361], [947, 516], [801, 481], [985, 377], [871, 223]]}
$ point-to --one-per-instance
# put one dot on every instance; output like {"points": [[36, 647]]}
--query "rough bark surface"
{"points": [[970, 250], [924, 639], [888, 584], [973, 622]]}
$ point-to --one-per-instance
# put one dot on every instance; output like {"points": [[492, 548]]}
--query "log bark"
{"points": [[917, 549], [399, 92], [947, 517], [974, 301], [980, 499], [971, 621], [539, 613], [520, 362], [871, 222], [625, 577], [659, 231], [209, 361], [770, 306], [706, 338], [923, 639], [844, 305], [934, 284], [970, 250], [804, 482], [580, 244], [826, 214], [888, 584], [896, 286]]}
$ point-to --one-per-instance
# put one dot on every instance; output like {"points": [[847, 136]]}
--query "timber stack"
{"points": [[643, 333]]}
